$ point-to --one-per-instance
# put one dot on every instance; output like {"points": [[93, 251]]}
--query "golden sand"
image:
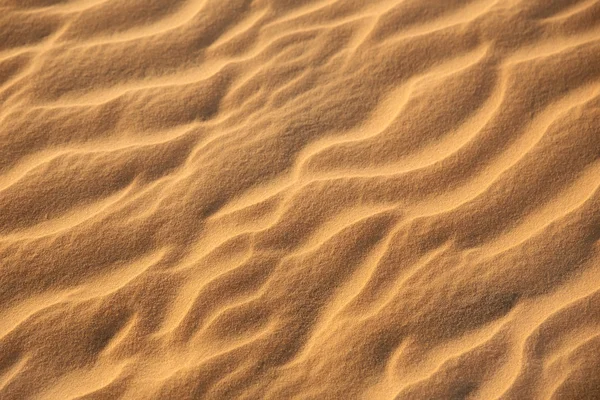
{"points": [[299, 199]]}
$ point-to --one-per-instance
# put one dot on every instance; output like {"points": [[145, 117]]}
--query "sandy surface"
{"points": [[286, 199]]}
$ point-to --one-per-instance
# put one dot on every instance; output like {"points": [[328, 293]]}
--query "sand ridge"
{"points": [[300, 199]]}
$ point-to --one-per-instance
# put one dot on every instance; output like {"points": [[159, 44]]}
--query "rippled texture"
{"points": [[277, 199]]}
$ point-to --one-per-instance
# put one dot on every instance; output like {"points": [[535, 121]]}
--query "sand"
{"points": [[299, 199]]}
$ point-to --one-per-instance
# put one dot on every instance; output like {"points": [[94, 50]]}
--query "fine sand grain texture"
{"points": [[299, 199]]}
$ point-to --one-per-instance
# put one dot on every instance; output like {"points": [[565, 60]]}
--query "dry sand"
{"points": [[299, 199]]}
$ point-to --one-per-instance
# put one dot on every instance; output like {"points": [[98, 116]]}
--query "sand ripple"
{"points": [[316, 199]]}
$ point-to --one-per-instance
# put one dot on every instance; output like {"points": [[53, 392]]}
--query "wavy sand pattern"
{"points": [[300, 199]]}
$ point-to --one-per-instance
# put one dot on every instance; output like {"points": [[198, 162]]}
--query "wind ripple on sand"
{"points": [[284, 199]]}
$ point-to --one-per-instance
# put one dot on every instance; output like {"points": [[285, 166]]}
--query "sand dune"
{"points": [[300, 199]]}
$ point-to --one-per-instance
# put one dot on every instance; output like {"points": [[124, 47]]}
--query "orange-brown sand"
{"points": [[299, 199]]}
